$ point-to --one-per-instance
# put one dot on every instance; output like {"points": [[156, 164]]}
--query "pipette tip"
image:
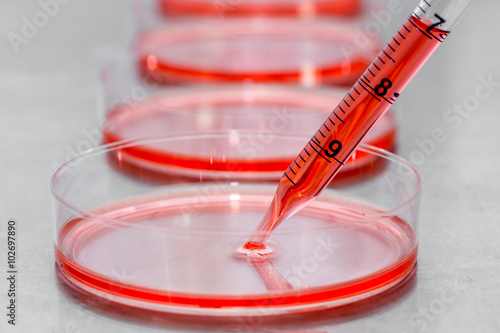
{"points": [[253, 250]]}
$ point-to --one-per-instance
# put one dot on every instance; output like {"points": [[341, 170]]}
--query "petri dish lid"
{"points": [[307, 52]]}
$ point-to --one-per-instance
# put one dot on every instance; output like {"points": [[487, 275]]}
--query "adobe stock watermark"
{"points": [[82, 322], [80, 315], [223, 6], [31, 25], [372, 28], [136, 93], [448, 294], [277, 123], [249, 147], [93, 137], [454, 118], [295, 275], [307, 266]]}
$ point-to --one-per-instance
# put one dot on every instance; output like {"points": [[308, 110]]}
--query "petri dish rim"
{"points": [[174, 34], [154, 111], [348, 8], [134, 142], [256, 300]]}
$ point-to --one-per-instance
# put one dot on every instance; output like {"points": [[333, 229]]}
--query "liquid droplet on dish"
{"points": [[253, 250]]}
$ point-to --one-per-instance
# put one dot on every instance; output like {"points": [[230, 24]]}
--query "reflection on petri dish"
{"points": [[173, 246], [260, 7], [267, 110], [307, 52]]}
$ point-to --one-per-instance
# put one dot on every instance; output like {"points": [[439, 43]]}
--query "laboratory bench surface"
{"points": [[448, 118]]}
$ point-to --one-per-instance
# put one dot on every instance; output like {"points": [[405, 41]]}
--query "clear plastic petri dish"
{"points": [[298, 8], [265, 110], [259, 50], [136, 109], [172, 246]]}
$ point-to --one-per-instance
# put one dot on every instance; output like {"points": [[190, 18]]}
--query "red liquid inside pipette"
{"points": [[337, 138]]}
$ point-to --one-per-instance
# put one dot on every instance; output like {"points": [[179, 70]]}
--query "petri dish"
{"points": [[260, 7], [263, 49], [173, 246], [263, 109], [304, 322]]}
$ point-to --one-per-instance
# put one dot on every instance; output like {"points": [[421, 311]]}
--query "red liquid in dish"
{"points": [[263, 7], [259, 50], [280, 112], [153, 256]]}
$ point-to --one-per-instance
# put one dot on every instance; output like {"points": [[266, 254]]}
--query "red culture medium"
{"points": [[263, 7], [259, 50], [267, 113]]}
